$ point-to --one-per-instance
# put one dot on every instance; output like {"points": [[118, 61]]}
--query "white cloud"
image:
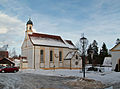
{"points": [[11, 30], [3, 30], [11, 24]]}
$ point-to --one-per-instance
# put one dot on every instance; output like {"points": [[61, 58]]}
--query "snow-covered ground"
{"points": [[107, 77]]}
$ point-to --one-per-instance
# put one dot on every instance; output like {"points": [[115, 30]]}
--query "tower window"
{"points": [[30, 28]]}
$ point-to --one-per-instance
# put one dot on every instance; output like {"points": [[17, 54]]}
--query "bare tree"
{"points": [[78, 45], [12, 53]]}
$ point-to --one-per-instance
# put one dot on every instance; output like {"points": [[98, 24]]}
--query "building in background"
{"points": [[49, 51], [115, 52], [6, 62], [107, 62], [4, 52]]}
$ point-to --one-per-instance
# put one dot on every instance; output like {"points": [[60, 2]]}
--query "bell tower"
{"points": [[29, 28]]}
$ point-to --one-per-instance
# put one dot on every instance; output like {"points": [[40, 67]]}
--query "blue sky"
{"points": [[97, 19]]}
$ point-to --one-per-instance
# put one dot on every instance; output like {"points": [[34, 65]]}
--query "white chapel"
{"points": [[47, 51], [115, 52]]}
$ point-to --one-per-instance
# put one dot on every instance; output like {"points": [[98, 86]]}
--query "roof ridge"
{"points": [[55, 37], [45, 34]]}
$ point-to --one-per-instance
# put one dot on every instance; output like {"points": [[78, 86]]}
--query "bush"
{"points": [[92, 69]]}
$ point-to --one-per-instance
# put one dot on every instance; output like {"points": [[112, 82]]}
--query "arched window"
{"points": [[51, 55], [60, 56], [30, 28], [41, 56]]}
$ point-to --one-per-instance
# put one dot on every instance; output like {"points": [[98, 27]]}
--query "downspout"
{"points": [[34, 57]]}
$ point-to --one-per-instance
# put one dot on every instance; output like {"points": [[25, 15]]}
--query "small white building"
{"points": [[107, 62], [49, 51], [115, 52]]}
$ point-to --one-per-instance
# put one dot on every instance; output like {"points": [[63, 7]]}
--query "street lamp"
{"points": [[83, 42]]}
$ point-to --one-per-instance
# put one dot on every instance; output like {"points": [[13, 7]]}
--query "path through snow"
{"points": [[107, 77]]}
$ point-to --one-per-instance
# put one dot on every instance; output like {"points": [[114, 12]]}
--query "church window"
{"points": [[60, 56], [41, 56], [51, 55]]}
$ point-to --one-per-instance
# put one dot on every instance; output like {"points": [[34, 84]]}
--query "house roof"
{"points": [[114, 48], [6, 61], [70, 55], [69, 44], [49, 40], [40, 35]]}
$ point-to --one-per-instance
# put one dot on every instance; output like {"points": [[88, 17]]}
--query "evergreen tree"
{"points": [[95, 51], [94, 47], [103, 53], [89, 51], [104, 50]]}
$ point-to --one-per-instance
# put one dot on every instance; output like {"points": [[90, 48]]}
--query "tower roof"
{"points": [[29, 22]]}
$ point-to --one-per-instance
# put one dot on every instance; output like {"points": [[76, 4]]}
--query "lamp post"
{"points": [[83, 42]]}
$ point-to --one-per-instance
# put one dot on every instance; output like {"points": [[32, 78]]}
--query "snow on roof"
{"points": [[16, 60], [50, 40], [70, 55], [69, 44], [47, 42], [24, 60], [47, 36], [107, 61], [8, 60]]}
